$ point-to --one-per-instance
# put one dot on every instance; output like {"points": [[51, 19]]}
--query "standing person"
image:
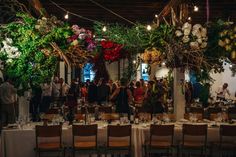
{"points": [[71, 99], [46, 96], [222, 92], [8, 102], [102, 92], [92, 93], [138, 94], [123, 97], [35, 102], [63, 90], [83, 92], [56, 89]]}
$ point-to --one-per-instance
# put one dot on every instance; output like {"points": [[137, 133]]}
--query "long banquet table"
{"points": [[21, 142]]}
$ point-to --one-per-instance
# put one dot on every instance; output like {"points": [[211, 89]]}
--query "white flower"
{"points": [[204, 32], [227, 41], [44, 18], [185, 39], [37, 26], [186, 26], [178, 33], [9, 40], [194, 45], [205, 39], [204, 45], [197, 27], [199, 40], [187, 31]]}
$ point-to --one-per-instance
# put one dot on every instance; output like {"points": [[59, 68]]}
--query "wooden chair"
{"points": [[232, 113], [110, 116], [212, 110], [105, 109], [161, 139], [226, 144], [45, 133], [114, 143], [84, 146], [198, 116], [171, 117], [215, 117], [194, 138]]}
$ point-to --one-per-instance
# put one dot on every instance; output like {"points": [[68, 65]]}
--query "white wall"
{"points": [[224, 77], [161, 72]]}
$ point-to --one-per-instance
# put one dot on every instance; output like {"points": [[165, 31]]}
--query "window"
{"points": [[144, 72], [88, 73]]}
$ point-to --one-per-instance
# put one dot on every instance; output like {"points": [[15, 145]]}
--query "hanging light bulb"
{"points": [[134, 61], [156, 16], [230, 65], [149, 27], [189, 18], [163, 63], [104, 29], [66, 16], [195, 8]]}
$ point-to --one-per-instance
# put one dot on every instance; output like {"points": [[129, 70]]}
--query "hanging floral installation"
{"points": [[30, 48]]}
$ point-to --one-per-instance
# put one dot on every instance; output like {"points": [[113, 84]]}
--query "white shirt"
{"points": [[7, 93], [65, 88], [222, 92]]}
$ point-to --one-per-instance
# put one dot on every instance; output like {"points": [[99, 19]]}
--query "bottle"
{"points": [[131, 117]]}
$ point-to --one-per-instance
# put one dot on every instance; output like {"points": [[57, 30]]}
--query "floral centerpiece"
{"points": [[227, 40]]}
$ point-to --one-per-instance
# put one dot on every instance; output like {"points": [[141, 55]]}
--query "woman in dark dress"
{"points": [[123, 97]]}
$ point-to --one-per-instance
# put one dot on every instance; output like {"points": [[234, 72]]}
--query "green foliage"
{"points": [[33, 66]]}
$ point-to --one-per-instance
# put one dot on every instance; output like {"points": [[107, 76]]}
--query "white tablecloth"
{"points": [[21, 143]]}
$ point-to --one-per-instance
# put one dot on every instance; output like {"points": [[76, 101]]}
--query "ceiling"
{"points": [[134, 10]]}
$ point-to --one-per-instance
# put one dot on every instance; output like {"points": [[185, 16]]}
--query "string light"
{"points": [[149, 27], [66, 16], [104, 29], [163, 63], [189, 18], [134, 61], [156, 16], [195, 8], [230, 65]]}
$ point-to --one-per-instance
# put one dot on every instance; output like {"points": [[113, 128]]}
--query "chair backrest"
{"points": [[214, 116], [171, 116], [199, 116], [46, 131], [90, 109], [195, 130], [232, 113], [119, 131], [228, 130], [85, 131], [162, 130], [110, 116], [196, 110], [105, 109]]}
